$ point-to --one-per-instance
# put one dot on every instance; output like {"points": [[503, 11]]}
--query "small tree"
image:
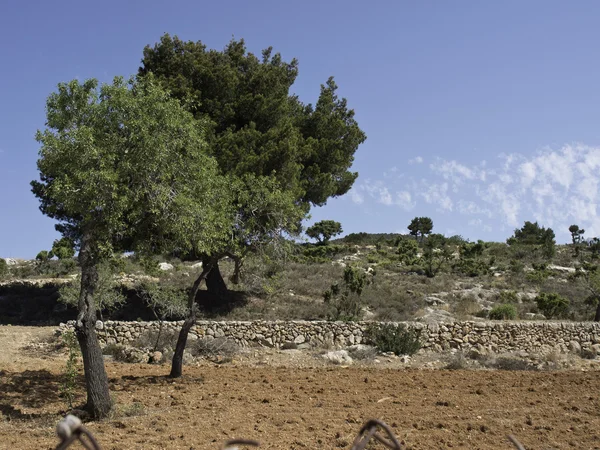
{"points": [[576, 234], [535, 237], [471, 261], [42, 256], [420, 227], [165, 301], [346, 301], [324, 230], [435, 254], [552, 305], [408, 251], [589, 275]]}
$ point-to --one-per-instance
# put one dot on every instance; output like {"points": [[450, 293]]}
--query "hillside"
{"points": [[472, 280]]}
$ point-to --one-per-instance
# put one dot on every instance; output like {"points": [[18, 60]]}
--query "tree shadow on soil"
{"points": [[31, 389], [129, 381]]}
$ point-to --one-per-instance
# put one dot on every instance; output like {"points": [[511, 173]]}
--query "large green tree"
{"points": [[260, 132], [123, 167]]}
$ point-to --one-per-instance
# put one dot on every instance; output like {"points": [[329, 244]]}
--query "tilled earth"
{"points": [[303, 407]]}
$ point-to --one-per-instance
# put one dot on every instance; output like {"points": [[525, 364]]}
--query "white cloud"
{"points": [[457, 173], [384, 196], [380, 193], [356, 196], [404, 200], [472, 208], [437, 194], [556, 187]]}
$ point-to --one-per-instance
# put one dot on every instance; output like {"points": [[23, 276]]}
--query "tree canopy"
{"points": [[127, 165], [420, 227], [324, 230], [280, 155], [256, 126], [531, 233]]}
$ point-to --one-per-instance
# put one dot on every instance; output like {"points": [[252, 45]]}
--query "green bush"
{"points": [[42, 256], [396, 338], [472, 267], [321, 253], [508, 297], [503, 312], [408, 251], [344, 302], [552, 305], [516, 266], [3, 268], [55, 268]]}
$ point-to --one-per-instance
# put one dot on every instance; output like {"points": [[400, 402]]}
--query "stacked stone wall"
{"points": [[492, 336]]}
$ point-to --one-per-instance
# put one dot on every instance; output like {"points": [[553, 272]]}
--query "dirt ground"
{"points": [[298, 406]]}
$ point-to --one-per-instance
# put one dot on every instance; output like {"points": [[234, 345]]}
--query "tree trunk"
{"points": [[99, 403], [235, 278], [215, 285], [177, 363], [597, 316]]}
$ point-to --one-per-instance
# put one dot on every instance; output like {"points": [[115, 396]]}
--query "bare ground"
{"points": [[295, 406]]}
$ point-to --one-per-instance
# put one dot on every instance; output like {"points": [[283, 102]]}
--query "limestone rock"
{"points": [[434, 301], [575, 347], [338, 357], [156, 358]]}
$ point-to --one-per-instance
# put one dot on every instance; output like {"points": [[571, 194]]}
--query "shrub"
{"points": [[472, 267], [396, 338], [3, 268], [408, 251], [345, 303], [67, 390], [538, 239], [539, 274], [321, 253], [210, 348], [42, 256], [362, 353], [508, 297], [508, 363], [458, 362], [516, 266], [503, 312], [552, 304]]}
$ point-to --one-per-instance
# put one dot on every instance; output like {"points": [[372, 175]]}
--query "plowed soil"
{"points": [[302, 407]]}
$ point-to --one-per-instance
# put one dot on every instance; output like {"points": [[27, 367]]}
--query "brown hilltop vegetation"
{"points": [[290, 403]]}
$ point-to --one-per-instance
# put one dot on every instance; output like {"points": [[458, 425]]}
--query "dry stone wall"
{"points": [[490, 336]]}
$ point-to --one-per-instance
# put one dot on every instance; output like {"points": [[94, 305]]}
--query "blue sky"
{"points": [[480, 115]]}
